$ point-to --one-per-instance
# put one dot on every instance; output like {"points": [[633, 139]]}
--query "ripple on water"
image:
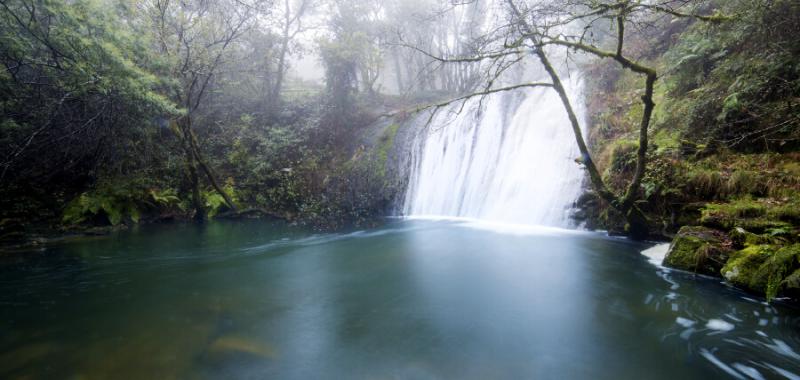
{"points": [[749, 371], [719, 364]]}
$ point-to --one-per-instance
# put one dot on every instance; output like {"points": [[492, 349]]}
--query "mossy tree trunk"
{"points": [[191, 170], [197, 55], [194, 160], [637, 226]]}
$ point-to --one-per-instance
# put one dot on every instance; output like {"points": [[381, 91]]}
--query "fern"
{"points": [[117, 201], [166, 198], [213, 203]]}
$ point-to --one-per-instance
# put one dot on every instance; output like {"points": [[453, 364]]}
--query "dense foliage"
{"points": [[77, 99], [725, 142], [725, 124], [121, 112]]}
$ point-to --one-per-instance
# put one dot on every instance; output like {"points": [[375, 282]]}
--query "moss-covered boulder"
{"points": [[776, 269], [790, 286], [698, 249], [743, 265], [765, 269], [742, 238]]}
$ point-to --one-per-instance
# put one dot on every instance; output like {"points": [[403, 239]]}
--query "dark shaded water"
{"points": [[416, 299]]}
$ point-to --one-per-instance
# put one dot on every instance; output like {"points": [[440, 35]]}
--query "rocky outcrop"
{"points": [[765, 269], [699, 250], [763, 264]]}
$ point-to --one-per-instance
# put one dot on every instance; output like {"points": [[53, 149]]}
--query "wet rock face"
{"points": [[399, 156], [587, 210], [699, 249]]}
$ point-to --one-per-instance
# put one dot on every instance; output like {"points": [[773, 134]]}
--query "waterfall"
{"points": [[508, 157]]}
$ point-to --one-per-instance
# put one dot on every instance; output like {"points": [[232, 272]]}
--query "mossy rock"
{"points": [[722, 221], [790, 286], [776, 269], [744, 264], [770, 270], [742, 238], [587, 210], [698, 249], [689, 214], [751, 215]]}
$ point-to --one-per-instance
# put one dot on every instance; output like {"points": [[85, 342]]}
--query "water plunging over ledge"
{"points": [[508, 157]]}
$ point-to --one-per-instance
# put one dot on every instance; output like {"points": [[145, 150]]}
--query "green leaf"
{"points": [[134, 213]]}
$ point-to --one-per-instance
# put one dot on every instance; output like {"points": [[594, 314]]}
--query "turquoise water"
{"points": [[414, 299]]}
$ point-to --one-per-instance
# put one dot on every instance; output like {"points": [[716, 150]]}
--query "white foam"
{"points": [[500, 227], [714, 360], [719, 325], [686, 334], [782, 348], [749, 371], [685, 322], [655, 254]]}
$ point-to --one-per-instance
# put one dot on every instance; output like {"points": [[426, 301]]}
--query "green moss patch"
{"points": [[772, 273], [752, 215], [742, 238], [698, 249], [743, 265], [765, 269]]}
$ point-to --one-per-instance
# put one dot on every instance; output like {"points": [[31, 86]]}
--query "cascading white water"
{"points": [[501, 159]]}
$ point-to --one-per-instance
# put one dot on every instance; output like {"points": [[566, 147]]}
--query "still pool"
{"points": [[411, 300]]}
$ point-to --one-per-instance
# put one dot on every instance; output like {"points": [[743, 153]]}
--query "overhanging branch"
{"points": [[437, 106]]}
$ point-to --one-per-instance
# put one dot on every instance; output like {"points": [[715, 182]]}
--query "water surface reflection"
{"points": [[416, 299]]}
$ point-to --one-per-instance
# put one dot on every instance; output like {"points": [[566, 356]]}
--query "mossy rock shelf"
{"points": [[765, 269], [699, 249], [762, 264]]}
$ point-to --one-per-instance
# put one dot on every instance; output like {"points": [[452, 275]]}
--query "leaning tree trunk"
{"points": [[193, 160], [636, 227], [194, 179], [209, 173]]}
